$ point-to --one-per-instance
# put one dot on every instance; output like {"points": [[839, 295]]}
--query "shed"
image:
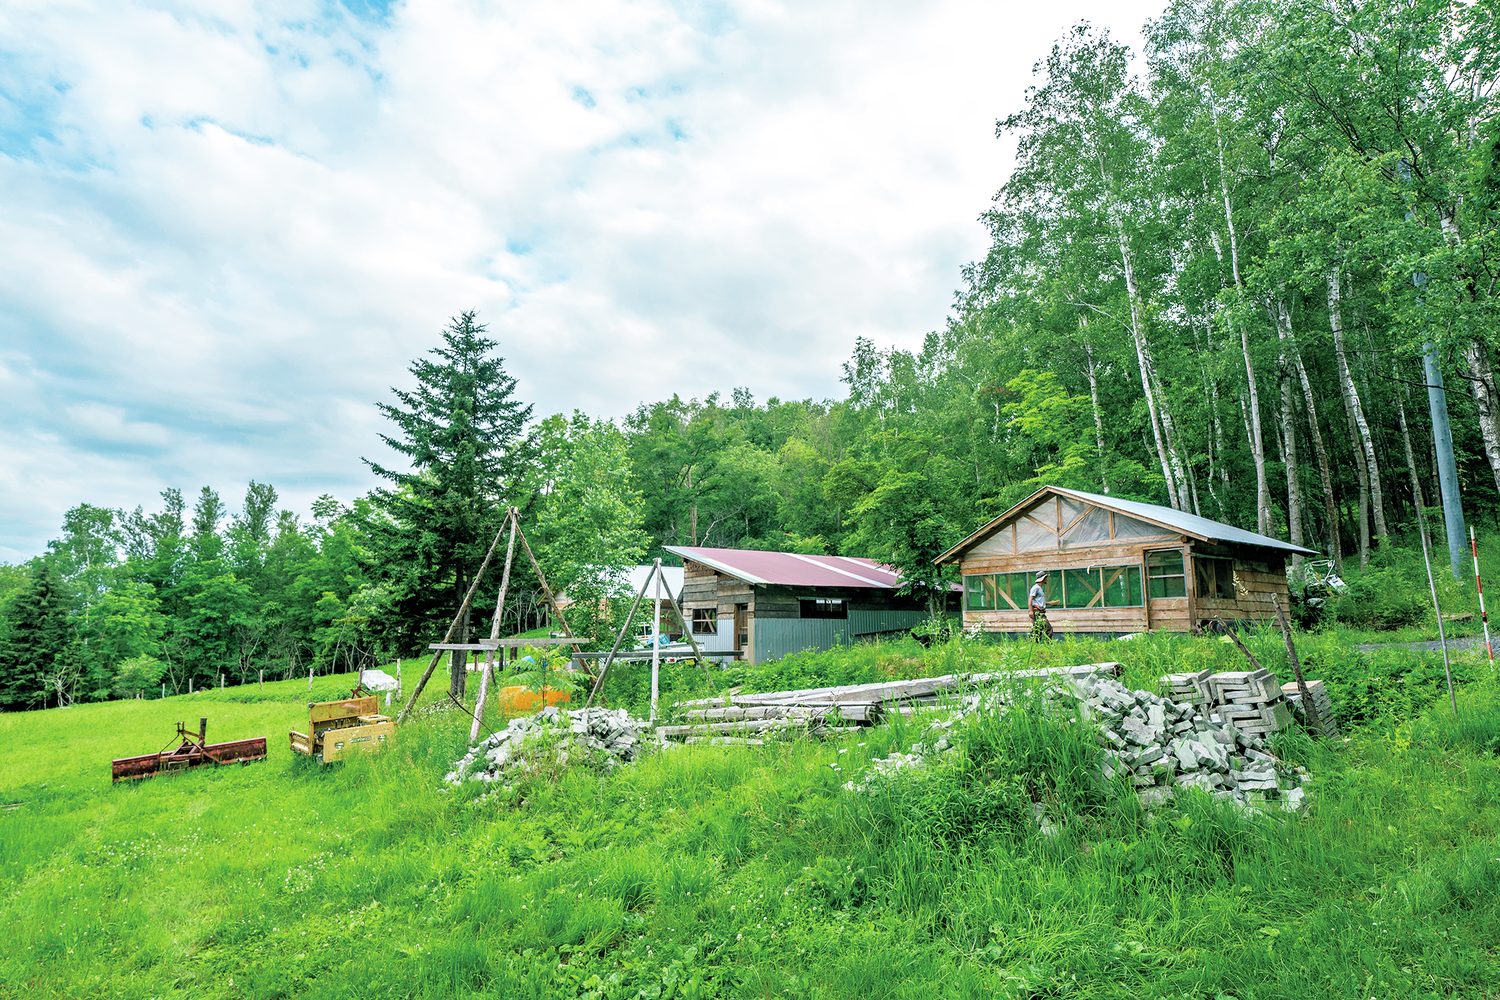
{"points": [[768, 604], [1116, 566]]}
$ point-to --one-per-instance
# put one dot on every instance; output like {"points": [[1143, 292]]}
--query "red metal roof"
{"points": [[792, 569]]}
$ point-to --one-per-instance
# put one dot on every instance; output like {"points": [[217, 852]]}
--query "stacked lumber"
{"points": [[820, 711], [1251, 700]]}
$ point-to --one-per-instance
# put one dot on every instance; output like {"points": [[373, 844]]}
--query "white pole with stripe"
{"points": [[1484, 618]]}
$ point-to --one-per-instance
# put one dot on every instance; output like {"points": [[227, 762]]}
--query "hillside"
{"points": [[750, 871]]}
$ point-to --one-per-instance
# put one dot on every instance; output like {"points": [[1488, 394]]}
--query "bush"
{"points": [[139, 675], [1380, 598]]}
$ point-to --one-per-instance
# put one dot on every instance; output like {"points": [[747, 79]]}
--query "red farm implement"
{"points": [[191, 752]]}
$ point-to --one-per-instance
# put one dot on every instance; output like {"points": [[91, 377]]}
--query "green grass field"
{"points": [[750, 872]]}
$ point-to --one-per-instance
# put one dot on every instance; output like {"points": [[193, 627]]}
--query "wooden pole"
{"points": [[620, 638], [541, 578], [655, 638], [1314, 718], [1218, 624], [687, 631], [452, 626], [489, 656]]}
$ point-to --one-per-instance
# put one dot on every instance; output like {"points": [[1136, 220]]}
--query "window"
{"points": [[1122, 587], [974, 593], [1164, 572], [705, 621], [1080, 587], [1214, 577], [823, 607]]}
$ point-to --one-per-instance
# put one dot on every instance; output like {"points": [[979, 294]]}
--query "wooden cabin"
{"points": [[765, 605], [1116, 566]]}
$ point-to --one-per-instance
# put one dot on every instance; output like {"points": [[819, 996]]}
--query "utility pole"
{"points": [[1442, 433]]}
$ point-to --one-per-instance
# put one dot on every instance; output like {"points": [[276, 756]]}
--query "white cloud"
{"points": [[228, 228]]}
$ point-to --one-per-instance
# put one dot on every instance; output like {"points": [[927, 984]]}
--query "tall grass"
{"points": [[750, 871]]}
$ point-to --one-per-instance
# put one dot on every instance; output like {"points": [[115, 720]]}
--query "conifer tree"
{"points": [[34, 650], [462, 433]]}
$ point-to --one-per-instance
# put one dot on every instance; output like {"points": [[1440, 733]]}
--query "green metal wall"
{"points": [[778, 637]]}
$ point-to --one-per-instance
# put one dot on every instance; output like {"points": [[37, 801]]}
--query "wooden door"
{"points": [[742, 628]]}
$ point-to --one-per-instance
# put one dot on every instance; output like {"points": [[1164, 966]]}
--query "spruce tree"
{"points": [[34, 650], [462, 432]]}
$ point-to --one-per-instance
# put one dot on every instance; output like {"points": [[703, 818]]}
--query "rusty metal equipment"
{"points": [[338, 728], [192, 751]]}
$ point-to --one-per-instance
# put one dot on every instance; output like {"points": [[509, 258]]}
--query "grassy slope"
{"points": [[743, 872]]}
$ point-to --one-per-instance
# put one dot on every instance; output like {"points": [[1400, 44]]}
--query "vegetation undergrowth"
{"points": [[752, 871]]}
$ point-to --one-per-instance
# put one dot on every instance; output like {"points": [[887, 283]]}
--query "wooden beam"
{"points": [[453, 625], [489, 656]]}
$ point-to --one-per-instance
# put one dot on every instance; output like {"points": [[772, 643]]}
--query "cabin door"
{"points": [[742, 629], [1166, 588]]}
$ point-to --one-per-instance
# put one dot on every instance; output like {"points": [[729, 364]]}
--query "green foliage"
{"points": [[139, 675], [34, 660], [1381, 597]]}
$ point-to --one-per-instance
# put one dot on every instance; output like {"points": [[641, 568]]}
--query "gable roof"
{"points": [[792, 569], [1181, 522]]}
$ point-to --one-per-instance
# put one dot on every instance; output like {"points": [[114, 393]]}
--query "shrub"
{"points": [[138, 675], [1381, 597]]}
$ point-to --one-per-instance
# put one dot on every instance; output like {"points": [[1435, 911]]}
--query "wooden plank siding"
{"points": [[704, 587], [1259, 573]]}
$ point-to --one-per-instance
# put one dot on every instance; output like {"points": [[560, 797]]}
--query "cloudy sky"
{"points": [[226, 227]]}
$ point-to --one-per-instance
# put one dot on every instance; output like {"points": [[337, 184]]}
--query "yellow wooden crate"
{"points": [[338, 743]]}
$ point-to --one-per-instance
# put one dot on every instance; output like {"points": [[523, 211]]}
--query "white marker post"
{"points": [[655, 637], [1489, 647], [1437, 610]]}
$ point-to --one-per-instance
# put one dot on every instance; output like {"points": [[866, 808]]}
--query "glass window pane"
{"points": [[991, 597], [1080, 586], [1018, 584], [1122, 587], [974, 593], [1165, 562]]}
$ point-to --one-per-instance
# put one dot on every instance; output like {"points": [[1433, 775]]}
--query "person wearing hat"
{"points": [[1041, 628]]}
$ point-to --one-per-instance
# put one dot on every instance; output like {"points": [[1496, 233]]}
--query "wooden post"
{"points": [[489, 656], [262, 678], [437, 656], [655, 638], [163, 689], [620, 638], [541, 578], [1314, 720], [309, 678]]}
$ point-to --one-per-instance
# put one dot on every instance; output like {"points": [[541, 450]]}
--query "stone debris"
{"points": [[1251, 700], [1320, 700], [1159, 744], [610, 735]]}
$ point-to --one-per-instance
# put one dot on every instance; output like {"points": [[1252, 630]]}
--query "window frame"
{"points": [[1213, 578], [705, 616], [822, 604], [1153, 576]]}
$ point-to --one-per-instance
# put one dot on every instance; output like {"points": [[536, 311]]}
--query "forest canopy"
{"points": [[1212, 275]]}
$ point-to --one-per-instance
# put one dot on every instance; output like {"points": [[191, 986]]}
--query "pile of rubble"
{"points": [[1320, 700], [613, 736], [1161, 744]]}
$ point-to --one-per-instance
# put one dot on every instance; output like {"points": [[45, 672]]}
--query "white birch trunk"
{"points": [[1093, 371], [1143, 360], [1365, 441], [1320, 451]]}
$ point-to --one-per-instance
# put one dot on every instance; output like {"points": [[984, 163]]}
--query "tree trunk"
{"points": [[1369, 462], [1093, 372], [1289, 432], [1411, 458], [1482, 387], [1171, 466], [1257, 439], [1320, 451]]}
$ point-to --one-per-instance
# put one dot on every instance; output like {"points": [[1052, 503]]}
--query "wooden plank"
{"points": [[484, 644], [745, 726]]}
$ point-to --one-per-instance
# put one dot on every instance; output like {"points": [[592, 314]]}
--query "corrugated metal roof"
{"points": [[792, 569], [1174, 520]]}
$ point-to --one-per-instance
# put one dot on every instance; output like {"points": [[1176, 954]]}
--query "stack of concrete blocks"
{"points": [[1320, 700], [1251, 700], [1187, 689]]}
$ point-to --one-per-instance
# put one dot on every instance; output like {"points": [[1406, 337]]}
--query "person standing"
{"points": [[1041, 628]]}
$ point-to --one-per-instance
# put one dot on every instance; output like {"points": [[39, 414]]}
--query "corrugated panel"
{"points": [[778, 637], [869, 622]]}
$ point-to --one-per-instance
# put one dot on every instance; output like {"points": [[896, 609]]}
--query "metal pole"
{"points": [[1484, 618], [655, 637], [1437, 610], [1442, 432]]}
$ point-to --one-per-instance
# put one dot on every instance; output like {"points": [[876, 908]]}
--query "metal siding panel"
{"points": [[778, 637], [883, 620]]}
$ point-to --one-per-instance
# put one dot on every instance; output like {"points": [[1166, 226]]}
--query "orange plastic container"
{"points": [[520, 699]]}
